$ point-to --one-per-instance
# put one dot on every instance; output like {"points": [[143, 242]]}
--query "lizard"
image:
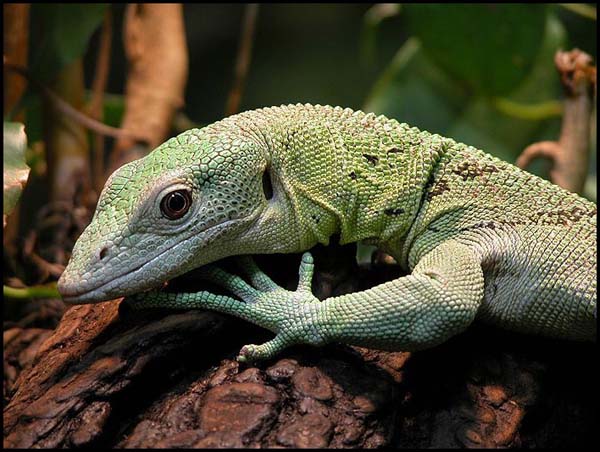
{"points": [[480, 238]]}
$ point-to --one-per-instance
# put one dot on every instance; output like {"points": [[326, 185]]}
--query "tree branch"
{"points": [[66, 109], [243, 59], [16, 45], [156, 50], [569, 155], [96, 104]]}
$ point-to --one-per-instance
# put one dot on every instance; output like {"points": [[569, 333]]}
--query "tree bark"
{"points": [[111, 377]]}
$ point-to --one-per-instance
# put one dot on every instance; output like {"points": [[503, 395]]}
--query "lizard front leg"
{"points": [[439, 299], [291, 315]]}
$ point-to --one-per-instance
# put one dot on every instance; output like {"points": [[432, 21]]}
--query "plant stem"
{"points": [[43, 291]]}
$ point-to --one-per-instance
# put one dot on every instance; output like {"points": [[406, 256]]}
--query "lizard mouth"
{"points": [[72, 294], [121, 285]]}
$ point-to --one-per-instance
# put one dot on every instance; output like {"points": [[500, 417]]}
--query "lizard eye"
{"points": [[175, 204]]}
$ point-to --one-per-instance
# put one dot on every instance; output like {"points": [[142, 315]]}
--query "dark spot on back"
{"points": [[352, 175], [394, 150], [267, 184], [562, 216], [393, 212], [438, 189], [480, 225], [373, 160], [470, 169]]}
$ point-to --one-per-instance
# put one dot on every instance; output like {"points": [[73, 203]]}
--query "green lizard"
{"points": [[482, 238]]}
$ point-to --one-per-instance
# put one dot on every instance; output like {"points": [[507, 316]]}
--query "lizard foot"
{"points": [[292, 315]]}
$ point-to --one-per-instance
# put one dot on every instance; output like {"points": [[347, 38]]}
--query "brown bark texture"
{"points": [[156, 50], [110, 377]]}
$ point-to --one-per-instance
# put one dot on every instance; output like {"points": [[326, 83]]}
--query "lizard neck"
{"points": [[349, 173]]}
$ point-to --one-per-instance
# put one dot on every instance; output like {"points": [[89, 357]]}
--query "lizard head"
{"points": [[195, 199]]}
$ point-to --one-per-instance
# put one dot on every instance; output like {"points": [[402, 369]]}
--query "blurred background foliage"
{"points": [[482, 74]]}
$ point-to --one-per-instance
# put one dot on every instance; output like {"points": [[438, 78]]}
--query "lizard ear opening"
{"points": [[267, 184]]}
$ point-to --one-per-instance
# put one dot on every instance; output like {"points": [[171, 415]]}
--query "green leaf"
{"points": [[489, 47], [584, 10], [542, 83], [413, 90], [16, 170], [484, 125], [60, 34]]}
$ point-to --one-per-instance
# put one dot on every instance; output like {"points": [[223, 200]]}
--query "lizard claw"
{"points": [[269, 349], [245, 354]]}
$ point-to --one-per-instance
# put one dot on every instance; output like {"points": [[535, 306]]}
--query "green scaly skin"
{"points": [[481, 238]]}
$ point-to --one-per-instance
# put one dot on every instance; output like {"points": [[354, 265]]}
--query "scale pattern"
{"points": [[482, 238]]}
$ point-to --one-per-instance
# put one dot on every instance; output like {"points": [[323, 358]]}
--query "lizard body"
{"points": [[481, 237]]}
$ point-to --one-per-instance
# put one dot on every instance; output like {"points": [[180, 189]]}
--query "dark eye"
{"points": [[175, 204]]}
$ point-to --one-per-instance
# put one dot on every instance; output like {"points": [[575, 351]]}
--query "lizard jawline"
{"points": [[98, 293]]}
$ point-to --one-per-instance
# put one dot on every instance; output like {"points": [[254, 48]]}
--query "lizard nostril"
{"points": [[103, 252]]}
